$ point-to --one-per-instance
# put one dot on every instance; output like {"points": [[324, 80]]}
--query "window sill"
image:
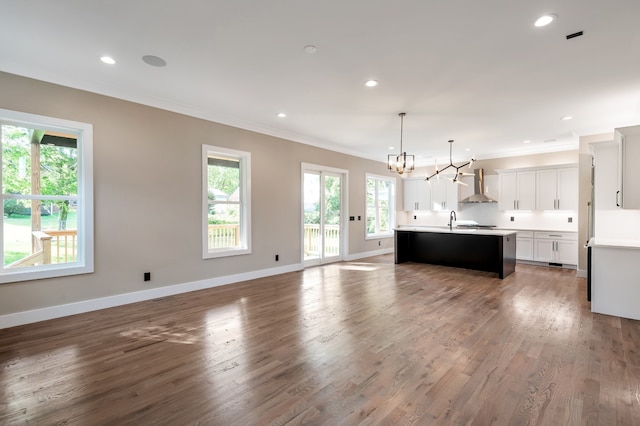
{"points": [[225, 253]]}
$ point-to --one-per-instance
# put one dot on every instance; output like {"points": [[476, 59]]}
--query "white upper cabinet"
{"points": [[517, 190], [606, 192], [628, 139], [557, 189], [444, 194], [417, 195]]}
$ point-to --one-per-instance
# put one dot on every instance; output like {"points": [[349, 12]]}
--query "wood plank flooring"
{"points": [[365, 342]]}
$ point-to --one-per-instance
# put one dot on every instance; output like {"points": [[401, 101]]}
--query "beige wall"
{"points": [[147, 189]]}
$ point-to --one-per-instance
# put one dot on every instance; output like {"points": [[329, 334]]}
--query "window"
{"points": [[47, 197], [380, 206], [226, 178]]}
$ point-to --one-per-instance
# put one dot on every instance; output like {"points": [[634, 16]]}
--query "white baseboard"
{"points": [[581, 273], [51, 312]]}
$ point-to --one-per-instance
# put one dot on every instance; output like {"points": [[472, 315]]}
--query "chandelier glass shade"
{"points": [[401, 163]]}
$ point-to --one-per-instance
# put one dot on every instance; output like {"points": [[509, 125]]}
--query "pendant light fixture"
{"points": [[450, 165], [401, 163]]}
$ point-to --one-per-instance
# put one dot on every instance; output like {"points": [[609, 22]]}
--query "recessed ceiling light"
{"points": [[467, 149], [527, 141], [392, 147], [154, 61], [108, 60], [568, 117], [371, 83], [309, 48], [545, 20], [281, 115]]}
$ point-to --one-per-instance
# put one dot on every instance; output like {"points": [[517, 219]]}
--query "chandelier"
{"points": [[458, 173], [401, 163]]}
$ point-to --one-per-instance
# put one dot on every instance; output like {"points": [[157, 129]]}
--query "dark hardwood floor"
{"points": [[365, 342]]}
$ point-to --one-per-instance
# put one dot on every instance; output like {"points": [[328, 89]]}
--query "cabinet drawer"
{"points": [[570, 236], [524, 234]]}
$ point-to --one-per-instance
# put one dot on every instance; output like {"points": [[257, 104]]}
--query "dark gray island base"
{"points": [[481, 250]]}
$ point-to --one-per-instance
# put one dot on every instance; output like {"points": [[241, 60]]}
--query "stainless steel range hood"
{"points": [[478, 189]]}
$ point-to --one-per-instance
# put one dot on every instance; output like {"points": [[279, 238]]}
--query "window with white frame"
{"points": [[380, 213], [47, 197], [226, 216]]}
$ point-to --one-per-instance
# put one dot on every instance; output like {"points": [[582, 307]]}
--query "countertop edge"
{"points": [[493, 232], [613, 243]]}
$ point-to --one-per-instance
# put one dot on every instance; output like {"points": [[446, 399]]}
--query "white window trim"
{"points": [[245, 202], [84, 260], [392, 207]]}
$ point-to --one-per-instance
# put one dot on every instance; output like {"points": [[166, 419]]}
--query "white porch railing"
{"points": [[221, 236], [51, 246], [312, 240]]}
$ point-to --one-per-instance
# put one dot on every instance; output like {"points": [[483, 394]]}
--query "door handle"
{"points": [[617, 202]]}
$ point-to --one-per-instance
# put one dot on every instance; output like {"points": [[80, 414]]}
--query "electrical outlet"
{"points": [[277, 257], [570, 220], [512, 218], [415, 217], [147, 276], [379, 242]]}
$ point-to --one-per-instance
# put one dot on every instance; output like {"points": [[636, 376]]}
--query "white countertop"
{"points": [[613, 243], [539, 230], [446, 230]]}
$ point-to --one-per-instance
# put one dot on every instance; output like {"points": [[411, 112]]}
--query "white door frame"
{"points": [[344, 184]]}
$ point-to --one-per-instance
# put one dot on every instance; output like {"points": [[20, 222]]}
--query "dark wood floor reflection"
{"points": [[348, 343]]}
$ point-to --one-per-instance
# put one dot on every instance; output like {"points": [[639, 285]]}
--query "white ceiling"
{"points": [[474, 71]]}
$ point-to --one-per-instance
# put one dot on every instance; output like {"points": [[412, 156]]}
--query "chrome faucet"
{"points": [[452, 217]]}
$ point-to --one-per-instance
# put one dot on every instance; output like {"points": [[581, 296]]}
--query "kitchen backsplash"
{"points": [[489, 214]]}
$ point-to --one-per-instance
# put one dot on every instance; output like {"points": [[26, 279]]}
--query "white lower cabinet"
{"points": [[524, 245], [614, 280], [555, 247]]}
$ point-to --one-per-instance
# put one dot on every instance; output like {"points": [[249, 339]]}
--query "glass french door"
{"points": [[322, 223]]}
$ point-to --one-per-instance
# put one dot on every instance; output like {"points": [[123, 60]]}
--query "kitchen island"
{"points": [[487, 250]]}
